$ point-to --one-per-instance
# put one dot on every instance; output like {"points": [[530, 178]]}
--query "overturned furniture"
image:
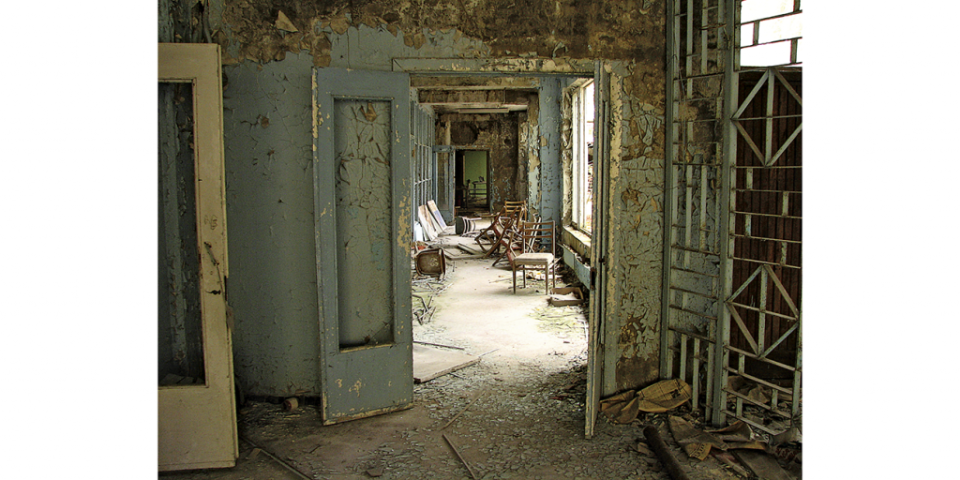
{"points": [[431, 262], [505, 227]]}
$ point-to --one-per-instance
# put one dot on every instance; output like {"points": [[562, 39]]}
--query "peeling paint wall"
{"points": [[269, 174], [254, 29], [268, 59], [498, 135], [637, 222], [529, 140], [566, 154]]}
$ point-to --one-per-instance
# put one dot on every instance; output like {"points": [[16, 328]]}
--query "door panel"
{"points": [[196, 410], [362, 175], [601, 165]]}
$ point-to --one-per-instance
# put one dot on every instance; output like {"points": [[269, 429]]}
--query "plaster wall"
{"points": [[268, 61], [497, 134]]}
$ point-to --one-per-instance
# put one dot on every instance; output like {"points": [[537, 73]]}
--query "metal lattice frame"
{"points": [[422, 138], [697, 41], [764, 213], [702, 306]]}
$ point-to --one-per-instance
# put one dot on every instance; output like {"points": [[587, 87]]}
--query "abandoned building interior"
{"points": [[474, 239], [498, 239], [317, 157]]}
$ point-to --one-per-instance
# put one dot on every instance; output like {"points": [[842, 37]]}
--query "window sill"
{"points": [[577, 241]]}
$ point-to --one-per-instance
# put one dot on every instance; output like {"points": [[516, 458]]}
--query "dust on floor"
{"points": [[521, 409]]}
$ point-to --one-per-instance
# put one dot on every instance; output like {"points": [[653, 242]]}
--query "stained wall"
{"points": [[496, 134], [267, 66]]}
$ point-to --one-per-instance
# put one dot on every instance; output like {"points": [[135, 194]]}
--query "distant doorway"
{"points": [[472, 179]]}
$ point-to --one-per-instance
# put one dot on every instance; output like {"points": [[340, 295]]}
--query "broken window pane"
{"points": [[766, 55], [781, 28], [582, 159]]}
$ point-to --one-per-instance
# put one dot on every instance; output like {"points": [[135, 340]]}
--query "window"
{"points": [[582, 158]]}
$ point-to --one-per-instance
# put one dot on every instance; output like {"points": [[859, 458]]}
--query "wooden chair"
{"points": [[508, 219], [539, 252], [511, 207], [509, 247]]}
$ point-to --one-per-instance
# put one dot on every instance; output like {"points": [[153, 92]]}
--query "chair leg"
{"points": [[514, 280]]}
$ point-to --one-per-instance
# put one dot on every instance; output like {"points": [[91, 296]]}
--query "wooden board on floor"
{"points": [[430, 362], [427, 223], [432, 219], [761, 464], [436, 214]]}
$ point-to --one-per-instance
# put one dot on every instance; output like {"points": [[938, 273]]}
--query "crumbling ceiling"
{"points": [[475, 94]]}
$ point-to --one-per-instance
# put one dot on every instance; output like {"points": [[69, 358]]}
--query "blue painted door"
{"points": [[362, 187]]}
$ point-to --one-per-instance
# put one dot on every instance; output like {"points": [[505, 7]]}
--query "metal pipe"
{"points": [[692, 312], [686, 270]]}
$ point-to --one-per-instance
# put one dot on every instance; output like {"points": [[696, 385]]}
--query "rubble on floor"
{"points": [[517, 414]]}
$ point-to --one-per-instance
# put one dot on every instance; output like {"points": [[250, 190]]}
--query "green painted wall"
{"points": [[475, 165]]}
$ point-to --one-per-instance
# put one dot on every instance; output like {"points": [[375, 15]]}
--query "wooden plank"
{"points": [[430, 363], [428, 229], [436, 213], [203, 418], [431, 219]]}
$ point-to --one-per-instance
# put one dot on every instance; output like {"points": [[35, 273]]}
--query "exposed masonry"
{"points": [[498, 135], [268, 150]]}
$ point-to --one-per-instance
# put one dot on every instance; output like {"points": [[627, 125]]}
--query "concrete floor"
{"points": [[524, 403]]}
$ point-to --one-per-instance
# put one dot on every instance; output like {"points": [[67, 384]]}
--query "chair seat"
{"points": [[533, 259]]}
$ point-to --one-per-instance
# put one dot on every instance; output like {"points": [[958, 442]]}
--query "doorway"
{"points": [[472, 175], [540, 141], [464, 118]]}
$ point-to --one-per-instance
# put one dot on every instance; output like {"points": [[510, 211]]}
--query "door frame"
{"points": [[601, 361]]}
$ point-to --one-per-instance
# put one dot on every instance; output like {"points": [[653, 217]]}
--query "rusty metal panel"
{"points": [[763, 309], [769, 208]]}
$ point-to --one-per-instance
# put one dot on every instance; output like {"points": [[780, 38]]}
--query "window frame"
{"points": [[582, 138]]}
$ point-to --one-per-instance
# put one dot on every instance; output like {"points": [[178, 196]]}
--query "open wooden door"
{"points": [[362, 186], [197, 414], [601, 176]]}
